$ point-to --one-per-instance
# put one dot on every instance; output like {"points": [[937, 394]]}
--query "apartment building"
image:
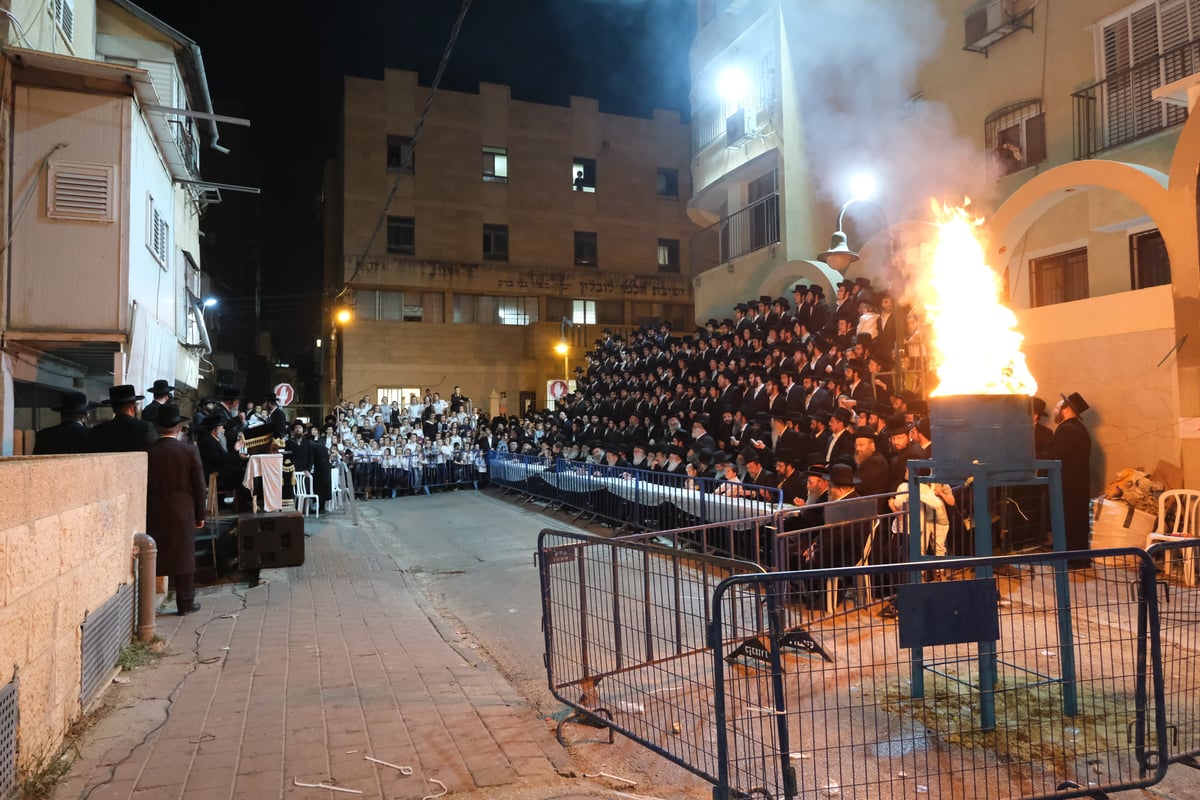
{"points": [[1067, 123], [504, 230]]}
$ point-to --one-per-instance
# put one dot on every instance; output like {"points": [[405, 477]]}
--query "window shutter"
{"points": [[80, 191], [1144, 31], [1174, 21], [68, 20], [1116, 48], [1035, 139]]}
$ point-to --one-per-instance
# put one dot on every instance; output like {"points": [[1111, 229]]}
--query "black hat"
{"points": [[843, 415], [923, 427], [169, 417], [821, 416], [1039, 406], [703, 419], [764, 299], [814, 464], [211, 421], [74, 403], [230, 393], [843, 475], [865, 432], [782, 301], [160, 387], [896, 425], [801, 288], [1076, 402], [741, 307], [121, 395], [751, 454], [676, 450], [863, 282]]}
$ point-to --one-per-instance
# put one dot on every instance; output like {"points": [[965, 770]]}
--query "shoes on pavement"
{"points": [[195, 607], [889, 611]]}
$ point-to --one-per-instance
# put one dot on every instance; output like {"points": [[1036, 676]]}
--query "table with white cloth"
{"points": [[269, 467]]}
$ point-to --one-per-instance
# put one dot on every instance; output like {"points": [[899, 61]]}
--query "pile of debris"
{"points": [[1135, 489]]}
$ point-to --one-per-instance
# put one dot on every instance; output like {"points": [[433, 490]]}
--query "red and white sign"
{"points": [[285, 393], [558, 390]]}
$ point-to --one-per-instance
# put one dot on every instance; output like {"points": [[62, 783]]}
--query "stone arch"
{"points": [[780, 280]]}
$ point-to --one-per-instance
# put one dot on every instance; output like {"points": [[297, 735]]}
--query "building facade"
{"points": [[1069, 126], [108, 107], [506, 229]]}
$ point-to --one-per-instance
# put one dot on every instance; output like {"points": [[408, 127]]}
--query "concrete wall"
{"points": [[66, 538]]}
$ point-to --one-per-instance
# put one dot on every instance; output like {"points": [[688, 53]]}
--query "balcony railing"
{"points": [[754, 227], [187, 144], [1120, 108]]}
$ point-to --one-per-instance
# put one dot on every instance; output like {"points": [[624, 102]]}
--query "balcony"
{"points": [[752, 228], [189, 149], [1121, 108]]}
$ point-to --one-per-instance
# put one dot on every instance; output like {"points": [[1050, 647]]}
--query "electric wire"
{"points": [[406, 163]]}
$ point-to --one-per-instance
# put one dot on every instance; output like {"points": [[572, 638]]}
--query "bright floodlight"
{"points": [[561, 348], [733, 86], [209, 302], [343, 315], [862, 186]]}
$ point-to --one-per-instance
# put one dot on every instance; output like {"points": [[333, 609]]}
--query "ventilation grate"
{"points": [[105, 631], [80, 191], [8, 738]]}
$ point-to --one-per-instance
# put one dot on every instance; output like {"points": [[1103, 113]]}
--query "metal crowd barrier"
{"points": [[748, 540], [635, 498], [626, 626], [1179, 626], [411, 475], [1032, 681]]}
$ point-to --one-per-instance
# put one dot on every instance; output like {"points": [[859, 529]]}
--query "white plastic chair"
{"points": [[1184, 527], [304, 493], [335, 483]]}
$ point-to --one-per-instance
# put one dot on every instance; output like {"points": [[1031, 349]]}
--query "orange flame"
{"points": [[976, 346]]}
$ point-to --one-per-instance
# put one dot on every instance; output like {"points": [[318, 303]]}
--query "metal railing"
{"points": [[752, 228], [189, 148], [1121, 108], [1021, 683], [637, 499]]}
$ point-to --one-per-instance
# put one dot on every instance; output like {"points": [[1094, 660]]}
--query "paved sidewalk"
{"points": [[302, 678]]}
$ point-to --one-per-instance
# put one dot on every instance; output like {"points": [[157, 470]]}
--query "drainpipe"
{"points": [[146, 552], [207, 100]]}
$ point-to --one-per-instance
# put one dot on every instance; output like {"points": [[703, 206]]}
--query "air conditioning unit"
{"points": [[743, 123], [987, 22]]}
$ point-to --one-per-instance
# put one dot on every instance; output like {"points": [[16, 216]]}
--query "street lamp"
{"points": [[839, 256], [342, 315], [562, 348], [209, 302]]}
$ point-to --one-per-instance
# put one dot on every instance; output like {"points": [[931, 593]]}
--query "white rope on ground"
{"points": [[443, 792], [298, 782], [611, 777], [403, 770]]}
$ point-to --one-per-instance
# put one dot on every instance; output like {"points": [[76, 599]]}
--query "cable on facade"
{"points": [[406, 164]]}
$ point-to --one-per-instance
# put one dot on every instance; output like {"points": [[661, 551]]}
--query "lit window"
{"points": [[1059, 278], [583, 312], [1016, 137], [668, 255], [1148, 260], [495, 165], [400, 154], [583, 174]]}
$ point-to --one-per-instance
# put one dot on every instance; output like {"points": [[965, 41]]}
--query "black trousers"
{"points": [[185, 592]]}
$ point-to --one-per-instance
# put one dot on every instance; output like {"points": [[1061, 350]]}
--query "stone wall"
{"points": [[66, 540]]}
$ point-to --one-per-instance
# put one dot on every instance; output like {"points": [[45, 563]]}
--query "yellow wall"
{"points": [[66, 538]]}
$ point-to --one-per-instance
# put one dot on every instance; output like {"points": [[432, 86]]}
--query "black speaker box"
{"points": [[268, 541]]}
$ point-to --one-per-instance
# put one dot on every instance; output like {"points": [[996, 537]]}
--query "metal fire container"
{"points": [[992, 429]]}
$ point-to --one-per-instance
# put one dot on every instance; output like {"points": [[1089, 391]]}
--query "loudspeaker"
{"points": [[270, 541]]}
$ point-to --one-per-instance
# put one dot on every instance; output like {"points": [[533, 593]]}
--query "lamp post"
{"points": [[562, 348], [342, 315]]}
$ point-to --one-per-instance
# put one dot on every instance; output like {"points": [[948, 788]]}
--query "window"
{"points": [[585, 249], [668, 255], [384, 395], [583, 312], [495, 242], [495, 165], [517, 310], [158, 233], [383, 306], [1141, 51], [401, 236], [1149, 264], [64, 17], [668, 183], [1059, 278], [491, 310], [400, 154], [583, 174], [1016, 137]]}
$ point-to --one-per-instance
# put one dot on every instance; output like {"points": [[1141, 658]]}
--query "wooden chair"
{"points": [[215, 496], [1184, 526]]}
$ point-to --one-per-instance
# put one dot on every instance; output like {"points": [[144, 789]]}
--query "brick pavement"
{"points": [[302, 677]]}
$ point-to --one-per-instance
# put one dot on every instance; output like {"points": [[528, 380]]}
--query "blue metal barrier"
{"points": [[634, 498]]}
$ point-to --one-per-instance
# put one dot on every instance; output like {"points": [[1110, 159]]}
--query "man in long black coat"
{"points": [[175, 505], [126, 432], [1072, 445], [71, 435]]}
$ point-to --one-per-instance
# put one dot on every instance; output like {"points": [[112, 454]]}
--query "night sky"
{"points": [[281, 65]]}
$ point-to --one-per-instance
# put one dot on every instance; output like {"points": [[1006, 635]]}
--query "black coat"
{"points": [[1072, 445], [175, 503], [65, 437], [214, 458], [122, 434]]}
